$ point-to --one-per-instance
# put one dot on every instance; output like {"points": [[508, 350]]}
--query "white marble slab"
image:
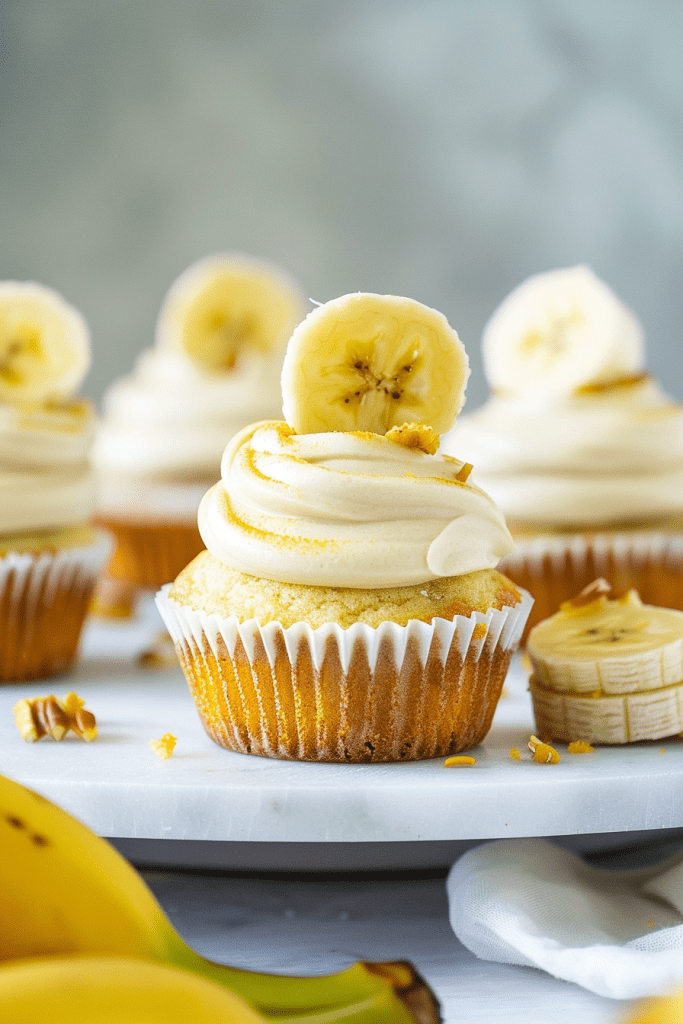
{"points": [[118, 787]]}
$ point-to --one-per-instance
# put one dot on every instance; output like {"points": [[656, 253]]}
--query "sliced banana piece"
{"points": [[44, 344], [559, 331], [226, 305], [608, 671], [372, 362]]}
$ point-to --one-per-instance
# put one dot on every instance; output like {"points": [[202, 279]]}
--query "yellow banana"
{"points": [[66, 891], [114, 990], [44, 344], [666, 1009], [608, 671], [373, 362], [225, 306]]}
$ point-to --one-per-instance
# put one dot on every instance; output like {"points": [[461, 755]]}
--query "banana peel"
{"points": [[67, 892]]}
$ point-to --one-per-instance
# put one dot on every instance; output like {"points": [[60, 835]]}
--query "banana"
{"points": [[560, 331], [666, 1009], [372, 362], [44, 344], [65, 891], [226, 305], [114, 990], [608, 670]]}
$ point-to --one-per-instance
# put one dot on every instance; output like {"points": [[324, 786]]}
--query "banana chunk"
{"points": [[225, 306], [608, 670], [44, 344], [366, 362], [560, 331]]}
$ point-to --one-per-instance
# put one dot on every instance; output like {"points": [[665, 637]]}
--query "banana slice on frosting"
{"points": [[366, 362], [226, 305], [44, 344], [559, 331], [608, 671]]}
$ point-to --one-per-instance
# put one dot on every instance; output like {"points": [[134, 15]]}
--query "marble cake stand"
{"points": [[214, 808]]}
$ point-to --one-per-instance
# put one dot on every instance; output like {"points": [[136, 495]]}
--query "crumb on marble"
{"points": [[164, 746]]}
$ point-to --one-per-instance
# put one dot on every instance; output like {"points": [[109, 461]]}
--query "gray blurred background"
{"points": [[439, 149]]}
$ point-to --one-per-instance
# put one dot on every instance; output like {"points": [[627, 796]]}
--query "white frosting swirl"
{"points": [[46, 481], [346, 510], [594, 458], [171, 420]]}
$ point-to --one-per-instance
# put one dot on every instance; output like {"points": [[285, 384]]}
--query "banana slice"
{"points": [[226, 305], [559, 331], [44, 344], [608, 671], [372, 362]]}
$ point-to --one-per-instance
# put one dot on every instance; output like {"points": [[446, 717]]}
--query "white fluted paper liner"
{"points": [[556, 567], [47, 571], [527, 902], [46, 596], [622, 550], [386, 647]]}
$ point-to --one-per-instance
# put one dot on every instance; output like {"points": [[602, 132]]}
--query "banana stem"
{"points": [[386, 993]]}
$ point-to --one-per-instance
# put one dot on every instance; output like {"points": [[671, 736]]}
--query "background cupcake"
{"points": [[347, 607], [579, 446], [49, 556], [215, 367]]}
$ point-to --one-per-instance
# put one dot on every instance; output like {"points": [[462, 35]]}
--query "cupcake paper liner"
{"points": [[44, 599], [390, 693], [555, 568], [148, 555]]}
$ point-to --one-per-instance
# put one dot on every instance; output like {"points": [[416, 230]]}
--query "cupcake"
{"points": [[608, 669], [214, 368], [347, 607], [50, 556], [578, 444]]}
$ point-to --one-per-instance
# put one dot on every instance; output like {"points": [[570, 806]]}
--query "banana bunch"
{"points": [[44, 344], [373, 362], [560, 331], [76, 919], [225, 307], [608, 671]]}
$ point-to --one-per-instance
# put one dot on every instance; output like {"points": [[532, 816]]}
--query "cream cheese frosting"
{"points": [[46, 480], [599, 456], [346, 509], [170, 419]]}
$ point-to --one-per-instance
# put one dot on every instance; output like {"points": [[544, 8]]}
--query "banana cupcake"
{"points": [[215, 367], [608, 669], [578, 444], [50, 556], [347, 607]]}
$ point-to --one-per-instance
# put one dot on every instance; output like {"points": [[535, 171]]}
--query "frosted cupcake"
{"points": [[215, 367], [49, 554], [579, 446], [347, 607]]}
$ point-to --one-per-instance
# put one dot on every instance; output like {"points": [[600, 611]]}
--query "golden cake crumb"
{"points": [[543, 753], [50, 716], [415, 435], [579, 747], [161, 654], [164, 746], [651, 924], [515, 754], [460, 761]]}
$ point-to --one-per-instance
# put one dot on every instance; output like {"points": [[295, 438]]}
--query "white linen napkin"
{"points": [[619, 933]]}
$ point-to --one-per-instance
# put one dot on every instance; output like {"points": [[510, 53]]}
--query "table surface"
{"points": [[204, 793], [319, 926]]}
